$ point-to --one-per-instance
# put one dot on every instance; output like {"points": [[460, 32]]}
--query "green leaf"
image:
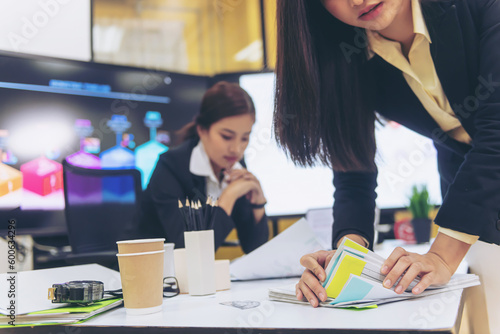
{"points": [[419, 205]]}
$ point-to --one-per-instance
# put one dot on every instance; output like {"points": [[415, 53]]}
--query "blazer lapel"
{"points": [[447, 49]]}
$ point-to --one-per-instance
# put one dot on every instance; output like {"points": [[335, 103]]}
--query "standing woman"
{"points": [[210, 163], [433, 66]]}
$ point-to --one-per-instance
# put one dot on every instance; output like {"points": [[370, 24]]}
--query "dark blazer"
{"points": [[171, 181], [465, 48]]}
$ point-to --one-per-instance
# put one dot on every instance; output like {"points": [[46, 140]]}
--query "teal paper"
{"points": [[356, 289], [331, 271], [335, 264]]}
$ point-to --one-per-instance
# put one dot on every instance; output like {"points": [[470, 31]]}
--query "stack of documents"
{"points": [[354, 280], [29, 295], [62, 315]]}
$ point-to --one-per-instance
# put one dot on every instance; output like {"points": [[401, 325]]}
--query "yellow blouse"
{"points": [[420, 74]]}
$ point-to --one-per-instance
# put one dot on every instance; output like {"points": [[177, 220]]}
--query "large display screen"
{"points": [[97, 115]]}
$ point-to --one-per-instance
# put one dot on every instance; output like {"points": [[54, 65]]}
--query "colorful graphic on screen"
{"points": [[42, 176], [84, 128], [11, 180], [147, 154], [118, 157]]}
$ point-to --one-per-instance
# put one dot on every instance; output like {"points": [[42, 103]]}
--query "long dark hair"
{"points": [[224, 99], [323, 110]]}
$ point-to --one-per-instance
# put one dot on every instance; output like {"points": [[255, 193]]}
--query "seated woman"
{"points": [[210, 163]]}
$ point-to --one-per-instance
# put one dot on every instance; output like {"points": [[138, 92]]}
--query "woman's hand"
{"points": [[430, 267], [435, 267], [255, 195], [309, 285], [253, 190], [240, 183]]}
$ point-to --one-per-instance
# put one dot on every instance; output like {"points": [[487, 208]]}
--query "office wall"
{"points": [[57, 28]]}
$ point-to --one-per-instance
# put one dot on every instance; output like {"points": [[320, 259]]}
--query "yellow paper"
{"points": [[349, 265], [355, 245]]}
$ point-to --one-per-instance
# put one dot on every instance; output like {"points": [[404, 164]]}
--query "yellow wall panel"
{"points": [[271, 31], [218, 35]]}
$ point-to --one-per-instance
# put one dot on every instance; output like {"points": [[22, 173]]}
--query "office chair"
{"points": [[100, 206]]}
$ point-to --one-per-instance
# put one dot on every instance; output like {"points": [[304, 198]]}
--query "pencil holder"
{"points": [[222, 275], [200, 262]]}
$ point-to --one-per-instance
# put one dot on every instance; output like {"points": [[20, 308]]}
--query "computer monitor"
{"points": [[101, 116], [404, 159]]}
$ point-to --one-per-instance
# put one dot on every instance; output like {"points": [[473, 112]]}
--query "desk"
{"points": [[187, 314]]}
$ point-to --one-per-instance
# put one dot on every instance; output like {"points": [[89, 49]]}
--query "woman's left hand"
{"points": [[430, 267], [256, 195]]}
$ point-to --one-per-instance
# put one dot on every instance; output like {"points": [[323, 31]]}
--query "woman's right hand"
{"points": [[310, 285], [255, 195], [237, 189]]}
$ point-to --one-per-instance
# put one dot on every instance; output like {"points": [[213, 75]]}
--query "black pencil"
{"points": [[206, 212], [214, 213], [198, 216], [183, 214]]}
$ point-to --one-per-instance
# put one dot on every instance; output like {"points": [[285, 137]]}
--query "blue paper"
{"points": [[356, 289]]}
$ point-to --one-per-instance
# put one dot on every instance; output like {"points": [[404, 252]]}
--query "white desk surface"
{"points": [[202, 314], [187, 314], [190, 314]]}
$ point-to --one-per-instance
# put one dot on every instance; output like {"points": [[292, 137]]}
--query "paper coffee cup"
{"points": [[181, 269], [140, 245], [142, 281], [168, 260]]}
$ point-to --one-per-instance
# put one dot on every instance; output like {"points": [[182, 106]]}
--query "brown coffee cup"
{"points": [[142, 281]]}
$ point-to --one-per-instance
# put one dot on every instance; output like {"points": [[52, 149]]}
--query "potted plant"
{"points": [[419, 208]]}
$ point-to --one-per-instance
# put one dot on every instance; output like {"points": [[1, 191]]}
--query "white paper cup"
{"points": [[181, 269], [140, 245], [142, 281], [168, 260]]}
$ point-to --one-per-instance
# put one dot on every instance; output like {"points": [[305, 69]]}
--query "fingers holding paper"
{"points": [[310, 285], [310, 288], [429, 268]]}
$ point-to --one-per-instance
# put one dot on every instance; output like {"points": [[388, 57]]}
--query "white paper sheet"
{"points": [[279, 257], [377, 295]]}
